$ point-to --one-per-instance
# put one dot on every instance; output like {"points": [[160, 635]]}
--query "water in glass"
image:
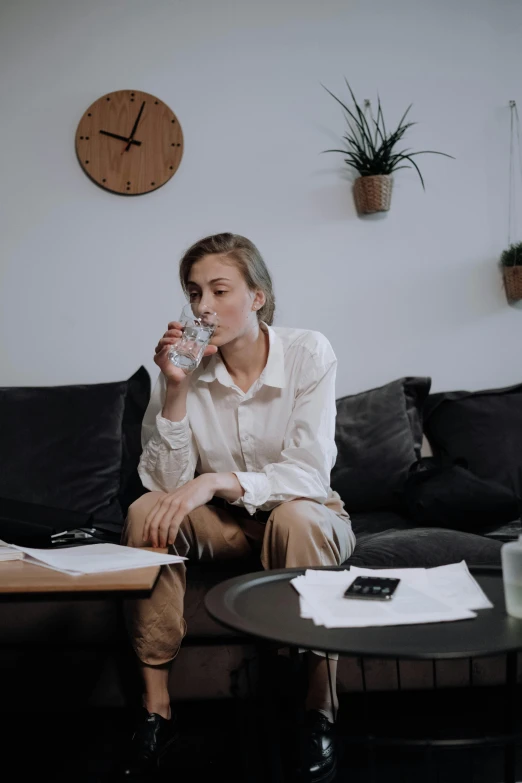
{"points": [[197, 333]]}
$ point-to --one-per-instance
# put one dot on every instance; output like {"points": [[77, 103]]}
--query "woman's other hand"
{"points": [[163, 521]]}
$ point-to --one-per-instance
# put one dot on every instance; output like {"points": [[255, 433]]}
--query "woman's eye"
{"points": [[220, 292], [193, 296]]}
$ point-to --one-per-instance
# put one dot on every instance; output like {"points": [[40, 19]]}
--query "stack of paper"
{"points": [[94, 558], [8, 553], [424, 595]]}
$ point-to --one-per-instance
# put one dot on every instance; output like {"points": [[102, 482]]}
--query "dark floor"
{"points": [[83, 746]]}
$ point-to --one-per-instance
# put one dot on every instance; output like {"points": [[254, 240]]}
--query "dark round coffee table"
{"points": [[265, 605]]}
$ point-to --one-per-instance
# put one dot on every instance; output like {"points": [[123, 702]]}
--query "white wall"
{"points": [[88, 279]]}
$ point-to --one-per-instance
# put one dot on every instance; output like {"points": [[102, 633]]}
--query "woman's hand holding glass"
{"points": [[172, 337], [199, 325]]}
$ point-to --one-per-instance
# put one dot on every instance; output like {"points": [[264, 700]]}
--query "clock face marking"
{"points": [[129, 142]]}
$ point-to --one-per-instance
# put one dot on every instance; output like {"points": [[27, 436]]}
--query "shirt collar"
{"points": [[272, 375]]}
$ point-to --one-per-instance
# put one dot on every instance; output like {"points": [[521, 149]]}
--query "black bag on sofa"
{"points": [[34, 525], [448, 495]]}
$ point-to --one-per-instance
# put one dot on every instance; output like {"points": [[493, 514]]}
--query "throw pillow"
{"points": [[484, 428], [378, 435], [72, 447], [450, 495], [136, 401]]}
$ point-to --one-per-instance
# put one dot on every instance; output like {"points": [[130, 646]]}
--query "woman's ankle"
{"points": [[326, 708], [322, 692], [159, 707], [156, 696]]}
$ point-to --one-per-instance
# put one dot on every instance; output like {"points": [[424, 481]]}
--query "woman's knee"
{"points": [[297, 517], [299, 533], [136, 516]]}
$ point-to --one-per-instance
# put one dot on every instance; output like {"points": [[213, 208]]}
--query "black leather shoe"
{"points": [[152, 738], [320, 759]]}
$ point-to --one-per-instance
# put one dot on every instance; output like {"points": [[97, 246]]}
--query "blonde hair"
{"points": [[248, 259]]}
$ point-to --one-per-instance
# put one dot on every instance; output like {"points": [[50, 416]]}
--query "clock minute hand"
{"points": [[133, 131], [121, 138]]}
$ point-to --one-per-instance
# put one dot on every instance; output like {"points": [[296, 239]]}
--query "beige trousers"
{"points": [[298, 533]]}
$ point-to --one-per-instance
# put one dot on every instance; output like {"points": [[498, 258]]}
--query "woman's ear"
{"points": [[259, 300]]}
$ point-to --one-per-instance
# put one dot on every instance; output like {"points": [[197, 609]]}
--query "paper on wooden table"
{"points": [[96, 558]]}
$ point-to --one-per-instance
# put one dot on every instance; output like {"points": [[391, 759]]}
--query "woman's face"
{"points": [[217, 285]]}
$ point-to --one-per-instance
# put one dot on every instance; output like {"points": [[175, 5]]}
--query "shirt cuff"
{"points": [[257, 490], [175, 434]]}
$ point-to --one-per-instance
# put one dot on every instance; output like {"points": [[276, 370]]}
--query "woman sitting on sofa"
{"points": [[237, 456]]}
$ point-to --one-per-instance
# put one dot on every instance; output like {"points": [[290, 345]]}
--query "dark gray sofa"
{"points": [[66, 653]]}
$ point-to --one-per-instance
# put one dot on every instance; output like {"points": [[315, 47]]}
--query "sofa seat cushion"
{"points": [[45, 622], [372, 522], [424, 548]]}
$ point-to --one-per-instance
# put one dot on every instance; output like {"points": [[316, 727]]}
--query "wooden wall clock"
{"points": [[129, 142]]}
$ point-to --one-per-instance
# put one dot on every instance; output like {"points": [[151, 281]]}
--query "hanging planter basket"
{"points": [[372, 194], [369, 147], [513, 282]]}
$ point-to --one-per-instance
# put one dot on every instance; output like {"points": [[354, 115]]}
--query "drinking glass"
{"points": [[197, 332]]}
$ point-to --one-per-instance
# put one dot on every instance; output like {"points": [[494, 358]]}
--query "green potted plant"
{"points": [[371, 151], [511, 264]]}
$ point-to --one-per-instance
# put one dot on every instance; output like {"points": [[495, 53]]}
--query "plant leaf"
{"points": [[404, 115], [347, 110], [408, 157], [433, 152], [365, 132], [379, 113]]}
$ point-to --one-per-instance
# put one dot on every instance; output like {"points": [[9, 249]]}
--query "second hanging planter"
{"points": [[511, 265]]}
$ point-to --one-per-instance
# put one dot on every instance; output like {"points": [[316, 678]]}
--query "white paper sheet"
{"points": [[6, 553], [96, 558], [442, 594], [451, 583]]}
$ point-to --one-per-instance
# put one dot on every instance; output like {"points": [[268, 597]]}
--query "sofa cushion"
{"points": [[424, 548], [367, 523], [73, 447], [484, 428], [379, 435], [136, 401], [451, 496]]}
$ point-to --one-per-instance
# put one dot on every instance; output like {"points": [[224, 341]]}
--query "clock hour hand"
{"points": [[121, 138], [133, 131]]}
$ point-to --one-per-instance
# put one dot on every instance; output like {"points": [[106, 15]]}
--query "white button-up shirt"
{"points": [[278, 437]]}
